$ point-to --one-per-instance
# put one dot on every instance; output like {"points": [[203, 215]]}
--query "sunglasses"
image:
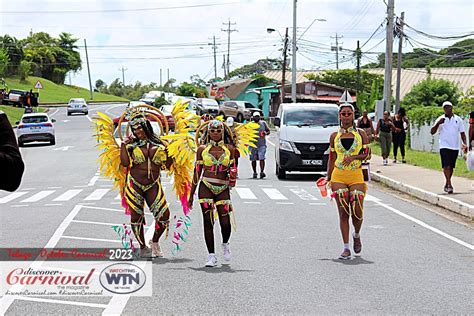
{"points": [[346, 114], [218, 130], [135, 128]]}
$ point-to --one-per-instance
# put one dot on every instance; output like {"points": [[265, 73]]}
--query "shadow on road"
{"points": [[290, 177], [353, 262], [225, 268], [171, 260]]}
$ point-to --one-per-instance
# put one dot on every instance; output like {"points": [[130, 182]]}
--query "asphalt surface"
{"points": [[285, 246]]}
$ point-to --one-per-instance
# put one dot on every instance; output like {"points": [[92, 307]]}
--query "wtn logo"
{"points": [[122, 278]]}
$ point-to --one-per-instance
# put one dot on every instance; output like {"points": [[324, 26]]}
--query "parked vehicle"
{"points": [[239, 110], [15, 97], [35, 127], [209, 106], [167, 110], [77, 105], [150, 97], [303, 131]]}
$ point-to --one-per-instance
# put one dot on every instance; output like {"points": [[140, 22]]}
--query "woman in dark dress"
{"points": [[400, 120]]}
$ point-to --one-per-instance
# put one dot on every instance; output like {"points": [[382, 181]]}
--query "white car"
{"points": [[77, 105], [35, 127]]}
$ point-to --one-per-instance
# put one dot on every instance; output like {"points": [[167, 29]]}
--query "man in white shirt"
{"points": [[450, 126]]}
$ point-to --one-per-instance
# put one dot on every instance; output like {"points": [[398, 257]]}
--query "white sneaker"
{"points": [[226, 250], [385, 162], [156, 249], [211, 260]]}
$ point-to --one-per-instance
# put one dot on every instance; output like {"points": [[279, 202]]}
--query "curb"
{"points": [[448, 203]]}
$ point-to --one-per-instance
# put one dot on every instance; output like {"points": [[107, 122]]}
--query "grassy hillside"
{"points": [[55, 93], [14, 114]]}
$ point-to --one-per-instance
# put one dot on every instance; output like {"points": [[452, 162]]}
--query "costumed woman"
{"points": [[214, 175], [136, 168], [348, 148]]}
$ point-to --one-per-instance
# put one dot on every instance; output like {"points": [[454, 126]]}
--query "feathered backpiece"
{"points": [[245, 136], [109, 159], [182, 149]]}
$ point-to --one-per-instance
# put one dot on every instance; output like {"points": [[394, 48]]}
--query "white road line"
{"points": [[81, 186], [248, 202], [94, 223], [22, 205], [54, 187], [86, 203], [38, 196], [11, 197], [105, 209], [57, 110], [285, 203], [53, 204], [265, 185], [274, 194], [271, 143], [47, 300], [93, 180], [423, 224], [92, 239], [28, 189], [317, 203], [245, 194], [88, 117], [97, 195], [118, 197], [66, 196], [304, 195]]}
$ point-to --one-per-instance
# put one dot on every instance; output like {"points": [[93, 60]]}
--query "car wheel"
{"points": [[281, 173], [86, 113], [68, 114], [240, 118], [53, 141], [20, 144]]}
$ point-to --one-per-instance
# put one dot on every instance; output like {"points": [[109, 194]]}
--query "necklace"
{"points": [[217, 144], [351, 129]]}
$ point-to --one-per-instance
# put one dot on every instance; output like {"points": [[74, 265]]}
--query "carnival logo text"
{"points": [[122, 278], [43, 276]]}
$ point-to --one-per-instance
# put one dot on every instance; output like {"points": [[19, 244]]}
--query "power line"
{"points": [[118, 10], [228, 30], [373, 34], [438, 37]]}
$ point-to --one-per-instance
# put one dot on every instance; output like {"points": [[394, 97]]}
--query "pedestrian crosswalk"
{"points": [[91, 195]]}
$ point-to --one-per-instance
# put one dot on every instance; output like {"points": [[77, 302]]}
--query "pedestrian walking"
{"points": [[258, 153], [384, 127], [450, 126], [471, 130], [348, 148], [365, 123], [400, 123], [11, 163]]}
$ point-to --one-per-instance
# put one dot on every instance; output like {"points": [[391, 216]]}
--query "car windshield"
{"points": [[35, 119], [249, 106], [209, 102], [310, 116], [151, 96]]}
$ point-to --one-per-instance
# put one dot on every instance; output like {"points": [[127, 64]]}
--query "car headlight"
{"points": [[284, 145]]}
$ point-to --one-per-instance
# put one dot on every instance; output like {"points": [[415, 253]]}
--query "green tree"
{"points": [[25, 68], [15, 53], [259, 67], [4, 60], [101, 86], [431, 92]]}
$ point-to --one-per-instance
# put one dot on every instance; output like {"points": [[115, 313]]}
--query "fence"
{"points": [[421, 138]]}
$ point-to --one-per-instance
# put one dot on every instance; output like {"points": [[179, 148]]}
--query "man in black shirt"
{"points": [[11, 164]]}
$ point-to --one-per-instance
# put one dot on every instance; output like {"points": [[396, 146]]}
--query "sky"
{"points": [[146, 36]]}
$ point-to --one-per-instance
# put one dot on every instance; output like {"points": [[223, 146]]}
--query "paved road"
{"points": [[285, 246]]}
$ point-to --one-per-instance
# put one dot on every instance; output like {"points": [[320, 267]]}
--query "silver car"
{"points": [[77, 105]]}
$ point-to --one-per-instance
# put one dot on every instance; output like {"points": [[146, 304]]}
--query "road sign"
{"points": [[346, 97], [38, 85]]}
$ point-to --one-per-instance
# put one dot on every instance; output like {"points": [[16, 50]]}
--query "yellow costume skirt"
{"points": [[347, 177]]}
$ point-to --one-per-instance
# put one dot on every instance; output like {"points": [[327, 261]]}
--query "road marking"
{"points": [[265, 185], [94, 223], [105, 209], [54, 187], [28, 189], [22, 205], [57, 110], [92, 239], [285, 203], [38, 196], [93, 180], [66, 196], [245, 194], [81, 186], [118, 197], [317, 203], [11, 197], [304, 195], [116, 203], [64, 148], [248, 202], [274, 194], [86, 203], [97, 195], [423, 224], [53, 204], [48, 300], [88, 117]]}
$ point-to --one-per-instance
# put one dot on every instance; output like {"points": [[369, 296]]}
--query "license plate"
{"points": [[312, 162]]}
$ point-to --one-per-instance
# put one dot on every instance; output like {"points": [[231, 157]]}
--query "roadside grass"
{"points": [[14, 114], [427, 160], [54, 93]]}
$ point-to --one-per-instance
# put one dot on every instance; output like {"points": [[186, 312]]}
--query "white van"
{"points": [[303, 131]]}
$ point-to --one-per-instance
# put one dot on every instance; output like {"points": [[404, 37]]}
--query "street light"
{"points": [[319, 20]]}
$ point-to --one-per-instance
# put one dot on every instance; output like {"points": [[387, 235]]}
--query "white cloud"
{"points": [[353, 19]]}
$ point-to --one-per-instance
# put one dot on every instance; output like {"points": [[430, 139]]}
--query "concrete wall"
{"points": [[421, 138]]}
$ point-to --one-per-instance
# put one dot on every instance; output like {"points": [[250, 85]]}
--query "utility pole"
{"points": [[387, 86], [214, 48], [161, 78], [283, 72], [358, 57], [168, 75], [123, 74], [228, 30], [399, 61], [293, 57], [337, 48], [88, 70], [225, 68]]}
